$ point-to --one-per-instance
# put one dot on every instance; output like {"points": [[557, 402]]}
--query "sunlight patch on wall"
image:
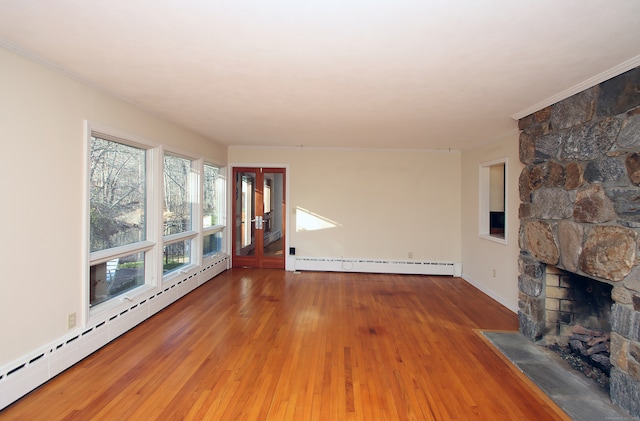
{"points": [[309, 221]]}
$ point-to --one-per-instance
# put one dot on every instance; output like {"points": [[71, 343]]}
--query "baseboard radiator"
{"points": [[412, 267], [24, 375]]}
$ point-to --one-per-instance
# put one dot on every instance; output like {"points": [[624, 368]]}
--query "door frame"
{"points": [[289, 261]]}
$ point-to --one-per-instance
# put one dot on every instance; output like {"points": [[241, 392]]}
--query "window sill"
{"points": [[495, 239], [212, 256], [176, 273]]}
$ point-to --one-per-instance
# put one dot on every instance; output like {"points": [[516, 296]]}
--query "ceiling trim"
{"points": [[16, 49], [592, 81], [47, 64], [303, 148]]}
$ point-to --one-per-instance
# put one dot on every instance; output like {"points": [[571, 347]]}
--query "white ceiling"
{"points": [[333, 73]]}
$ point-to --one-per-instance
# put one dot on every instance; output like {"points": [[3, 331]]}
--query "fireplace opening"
{"points": [[578, 327]]}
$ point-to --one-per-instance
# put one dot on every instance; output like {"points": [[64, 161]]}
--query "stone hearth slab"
{"points": [[578, 396]]}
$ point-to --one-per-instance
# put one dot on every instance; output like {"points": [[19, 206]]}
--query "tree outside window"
{"points": [[117, 204]]}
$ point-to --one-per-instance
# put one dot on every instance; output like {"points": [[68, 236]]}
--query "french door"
{"points": [[259, 217]]}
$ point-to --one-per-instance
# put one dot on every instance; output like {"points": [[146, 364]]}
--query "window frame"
{"points": [[153, 245], [485, 201], [221, 199], [191, 235], [146, 246]]}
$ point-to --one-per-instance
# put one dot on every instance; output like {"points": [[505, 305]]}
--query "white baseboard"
{"points": [[508, 304], [341, 264]]}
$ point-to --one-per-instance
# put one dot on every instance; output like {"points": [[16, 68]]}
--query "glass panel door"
{"points": [[245, 214], [272, 228], [259, 213]]}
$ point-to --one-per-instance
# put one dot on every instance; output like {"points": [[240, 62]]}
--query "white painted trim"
{"points": [[302, 148], [589, 83], [483, 205], [492, 294], [498, 240], [86, 226]]}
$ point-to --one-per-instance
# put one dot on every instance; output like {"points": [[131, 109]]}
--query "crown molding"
{"points": [[303, 148], [591, 82], [16, 49]]}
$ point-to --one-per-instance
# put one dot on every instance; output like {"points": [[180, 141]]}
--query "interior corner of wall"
{"points": [[457, 269]]}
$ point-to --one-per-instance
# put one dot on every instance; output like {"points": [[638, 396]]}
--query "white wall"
{"points": [[480, 257], [42, 115], [373, 203]]}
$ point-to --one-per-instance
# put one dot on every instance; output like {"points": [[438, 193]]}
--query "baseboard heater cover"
{"points": [[412, 267], [27, 373]]}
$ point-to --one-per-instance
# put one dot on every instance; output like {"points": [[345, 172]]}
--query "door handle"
{"points": [[258, 222]]}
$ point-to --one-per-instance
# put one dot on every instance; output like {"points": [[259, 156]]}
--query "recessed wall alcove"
{"points": [[580, 213]]}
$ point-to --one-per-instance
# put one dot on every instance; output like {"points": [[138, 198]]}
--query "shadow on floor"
{"points": [[578, 396]]}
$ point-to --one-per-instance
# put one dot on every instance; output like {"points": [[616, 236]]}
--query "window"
{"points": [[212, 210], [117, 218], [144, 208], [178, 213], [493, 200], [212, 244]]}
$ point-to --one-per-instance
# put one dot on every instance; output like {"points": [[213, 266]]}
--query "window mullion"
{"points": [[212, 230], [102, 256], [181, 236], [154, 205], [197, 197]]}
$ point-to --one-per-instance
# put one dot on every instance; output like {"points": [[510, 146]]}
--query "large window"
{"points": [[212, 210], [117, 218], [145, 207], [178, 212]]}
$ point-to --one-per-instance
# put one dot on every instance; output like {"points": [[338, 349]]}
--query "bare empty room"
{"points": [[285, 210]]}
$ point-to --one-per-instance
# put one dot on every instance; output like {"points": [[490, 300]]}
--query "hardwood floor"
{"points": [[257, 344]]}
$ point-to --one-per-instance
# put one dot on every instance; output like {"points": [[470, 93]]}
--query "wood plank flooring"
{"points": [[272, 345]]}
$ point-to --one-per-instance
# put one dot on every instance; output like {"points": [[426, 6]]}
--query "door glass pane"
{"points": [[245, 213], [272, 222]]}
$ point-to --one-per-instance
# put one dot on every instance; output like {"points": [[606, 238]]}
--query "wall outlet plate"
{"points": [[71, 321]]}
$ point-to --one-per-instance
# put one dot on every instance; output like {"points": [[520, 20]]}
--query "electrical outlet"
{"points": [[410, 255], [71, 321], [494, 273]]}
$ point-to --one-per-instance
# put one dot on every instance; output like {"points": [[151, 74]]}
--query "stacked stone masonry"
{"points": [[580, 211]]}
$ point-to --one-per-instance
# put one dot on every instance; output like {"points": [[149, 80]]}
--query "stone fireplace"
{"points": [[580, 213]]}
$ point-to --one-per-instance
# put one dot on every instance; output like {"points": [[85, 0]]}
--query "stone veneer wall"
{"points": [[580, 211]]}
